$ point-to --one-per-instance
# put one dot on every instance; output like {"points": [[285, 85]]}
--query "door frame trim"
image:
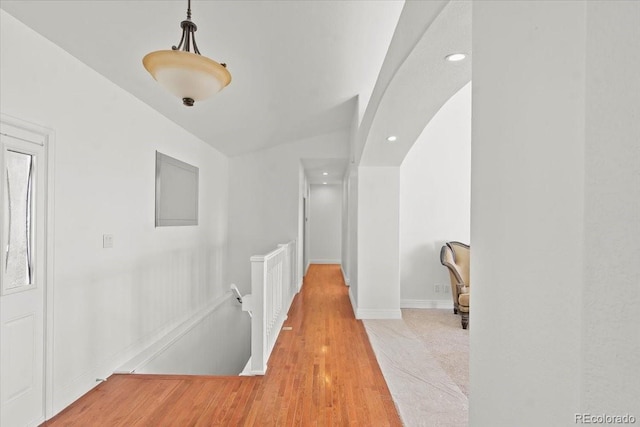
{"points": [[24, 129]]}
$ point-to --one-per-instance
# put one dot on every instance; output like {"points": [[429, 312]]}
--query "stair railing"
{"points": [[272, 290]]}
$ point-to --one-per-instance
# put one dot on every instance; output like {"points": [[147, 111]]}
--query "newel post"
{"points": [[258, 330]]}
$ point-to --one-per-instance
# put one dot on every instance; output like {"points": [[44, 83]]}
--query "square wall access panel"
{"points": [[176, 192]]}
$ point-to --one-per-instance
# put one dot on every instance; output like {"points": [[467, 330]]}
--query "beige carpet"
{"points": [[425, 360], [441, 333]]}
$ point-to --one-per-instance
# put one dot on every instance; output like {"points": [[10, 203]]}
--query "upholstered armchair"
{"points": [[456, 256]]}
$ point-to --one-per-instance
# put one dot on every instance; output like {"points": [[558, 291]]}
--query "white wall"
{"points": [[435, 202], [303, 224], [109, 302], [555, 209], [265, 199], [425, 31], [350, 217], [378, 237], [206, 348], [527, 212], [611, 292], [325, 224], [350, 235], [344, 227]]}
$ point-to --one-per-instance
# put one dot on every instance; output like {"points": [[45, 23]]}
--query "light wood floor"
{"points": [[321, 373]]}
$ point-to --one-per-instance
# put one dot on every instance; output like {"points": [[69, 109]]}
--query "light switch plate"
{"points": [[107, 240]]}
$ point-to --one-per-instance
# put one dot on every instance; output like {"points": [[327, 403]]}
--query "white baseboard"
{"points": [[352, 298], [373, 313], [426, 303], [247, 372], [345, 277], [325, 261]]}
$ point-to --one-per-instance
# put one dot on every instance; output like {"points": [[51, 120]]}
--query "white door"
{"points": [[22, 278]]}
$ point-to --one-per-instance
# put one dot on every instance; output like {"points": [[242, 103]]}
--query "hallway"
{"points": [[322, 372]]}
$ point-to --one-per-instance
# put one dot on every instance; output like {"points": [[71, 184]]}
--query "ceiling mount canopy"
{"points": [[187, 75]]}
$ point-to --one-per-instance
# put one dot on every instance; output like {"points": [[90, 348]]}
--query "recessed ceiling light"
{"points": [[454, 57], [324, 183], [392, 138], [325, 173]]}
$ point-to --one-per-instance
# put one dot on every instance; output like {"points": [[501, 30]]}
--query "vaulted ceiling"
{"points": [[300, 68], [297, 66]]}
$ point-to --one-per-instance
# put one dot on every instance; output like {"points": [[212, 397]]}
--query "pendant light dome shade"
{"points": [[187, 75]]}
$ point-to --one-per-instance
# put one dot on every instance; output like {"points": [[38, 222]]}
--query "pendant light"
{"points": [[190, 76]]}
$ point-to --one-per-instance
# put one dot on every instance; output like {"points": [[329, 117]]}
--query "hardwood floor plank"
{"points": [[323, 372]]}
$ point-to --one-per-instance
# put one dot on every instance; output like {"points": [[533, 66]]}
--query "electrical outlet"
{"points": [[446, 289], [436, 289]]}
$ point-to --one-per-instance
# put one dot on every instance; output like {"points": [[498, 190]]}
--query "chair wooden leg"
{"points": [[455, 308], [465, 320]]}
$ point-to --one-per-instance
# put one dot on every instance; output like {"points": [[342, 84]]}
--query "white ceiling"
{"points": [[413, 88], [296, 65], [316, 169]]}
